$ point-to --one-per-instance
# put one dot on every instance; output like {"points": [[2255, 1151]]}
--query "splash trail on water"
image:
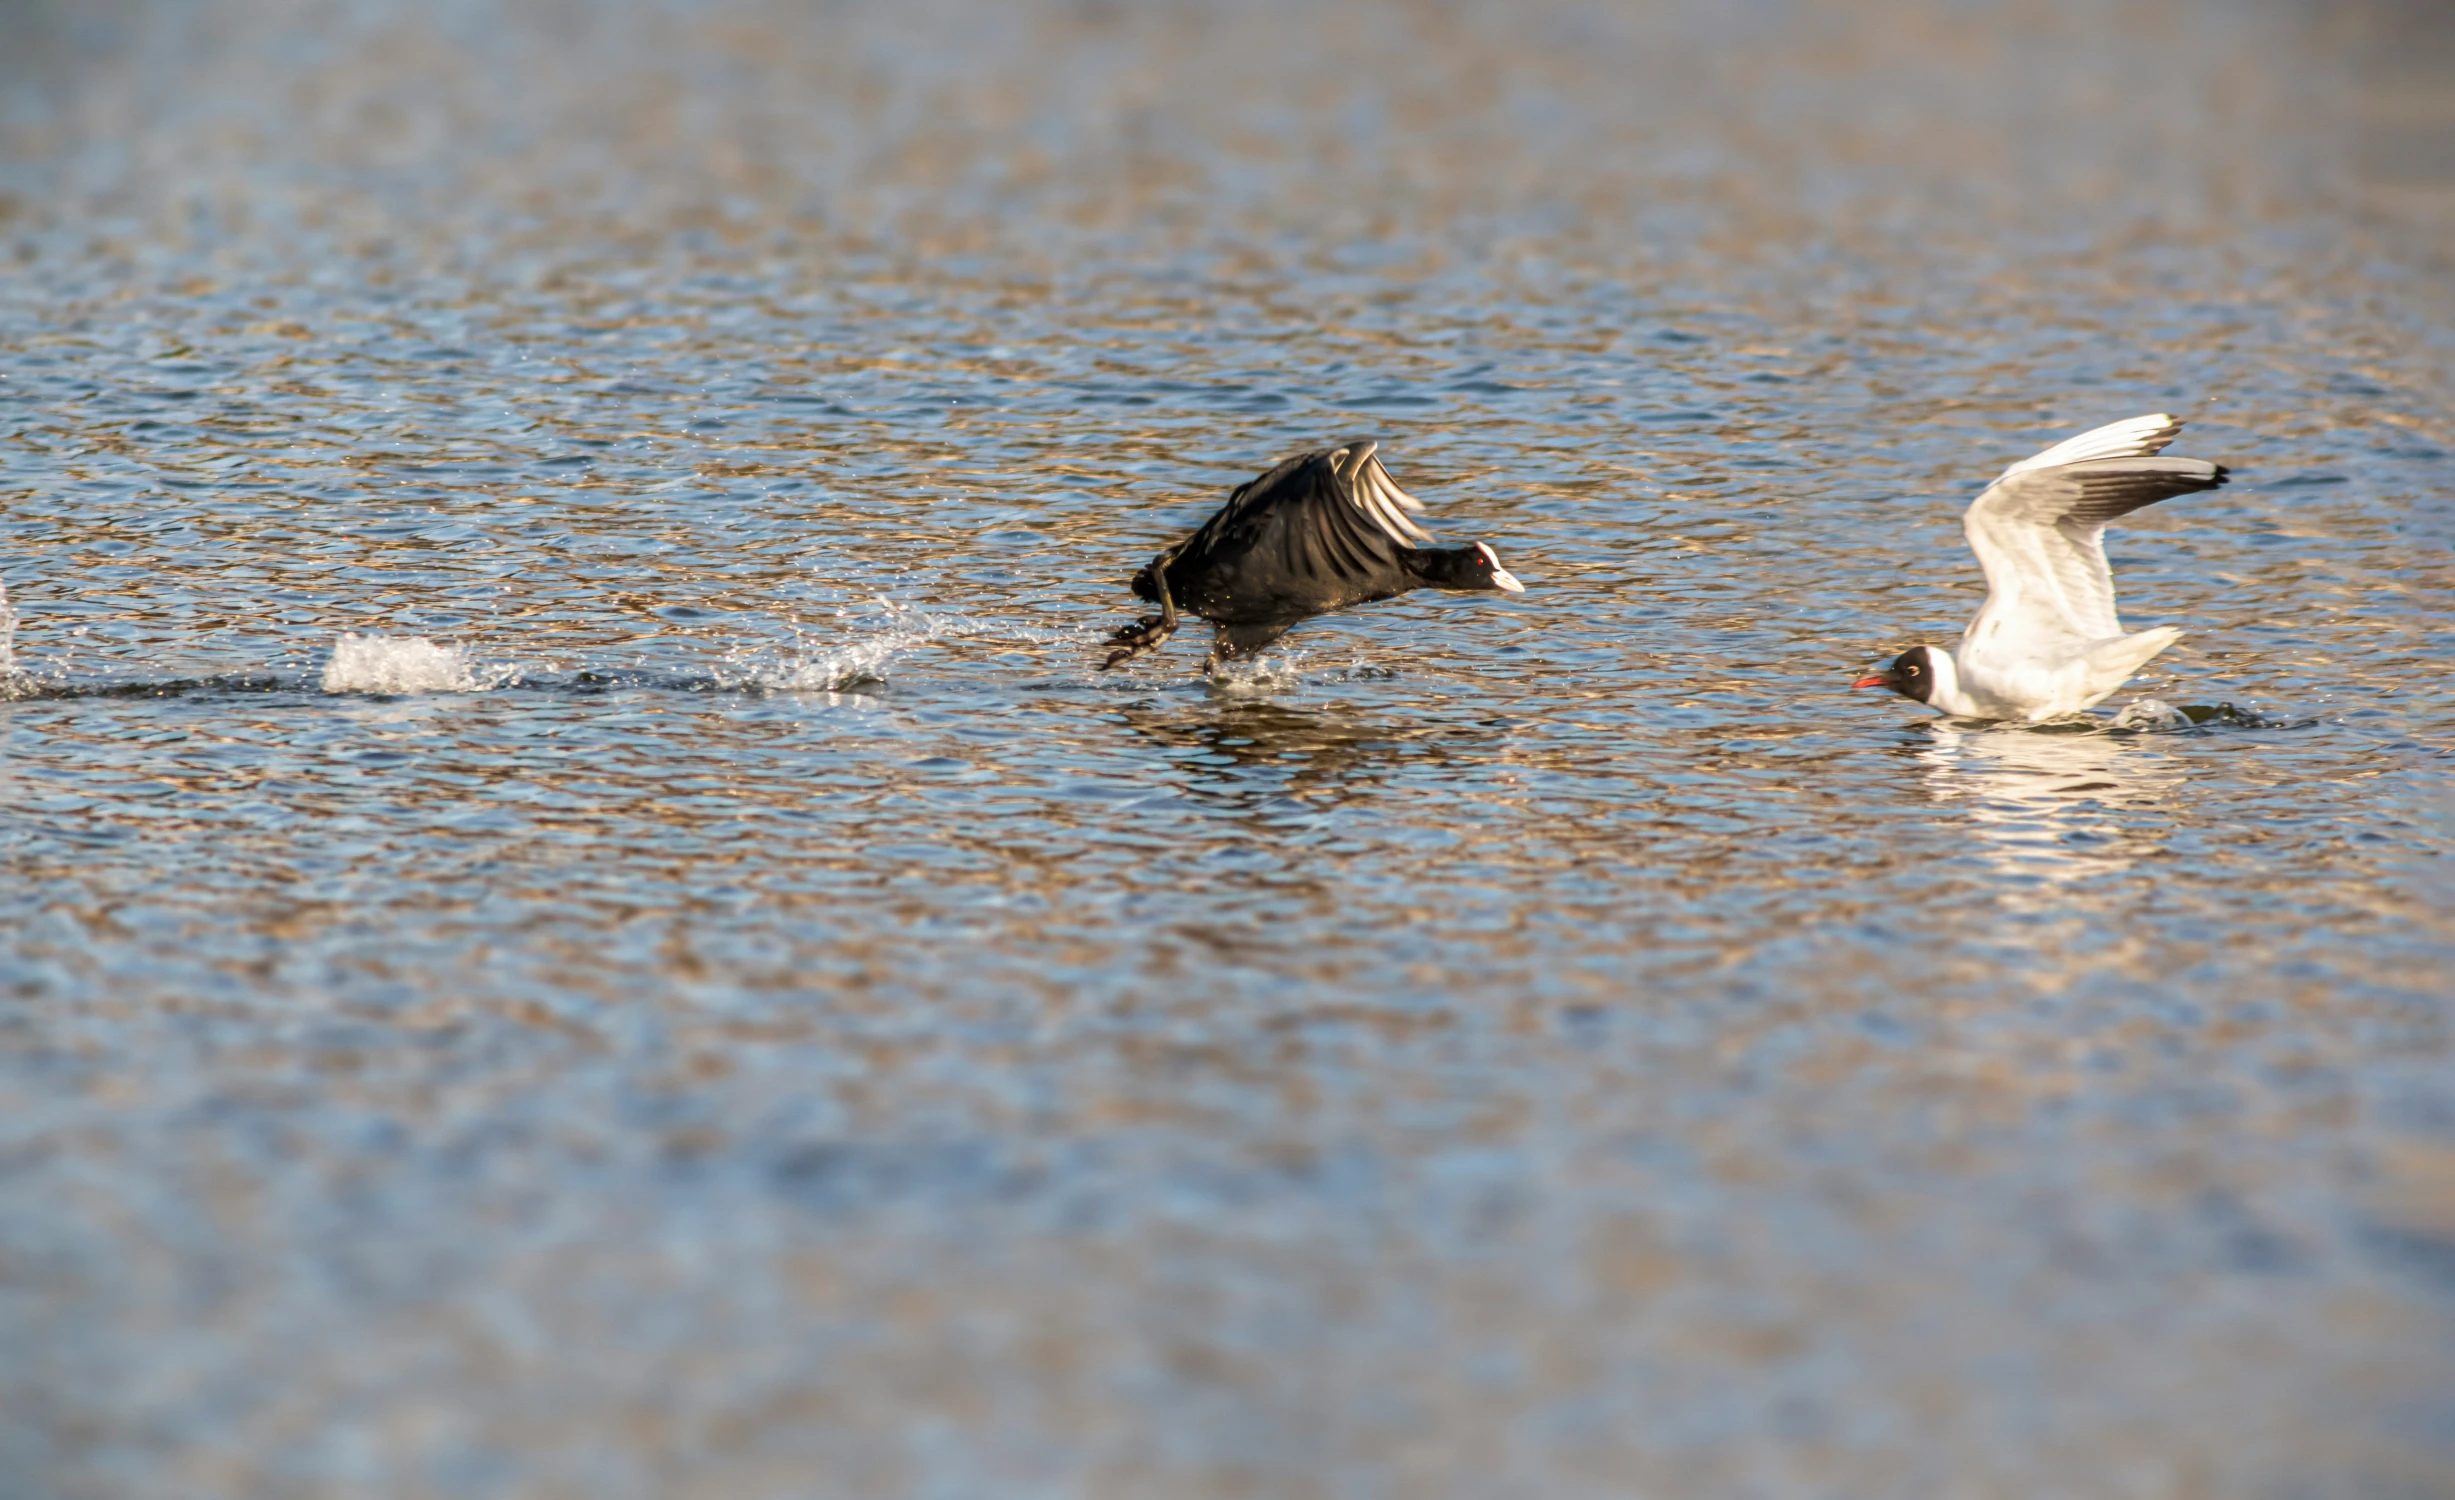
{"points": [[862, 662], [402, 665], [8, 640]]}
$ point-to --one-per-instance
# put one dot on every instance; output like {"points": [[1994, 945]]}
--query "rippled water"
{"points": [[579, 922]]}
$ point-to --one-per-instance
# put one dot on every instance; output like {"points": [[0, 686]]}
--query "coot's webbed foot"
{"points": [[1143, 635], [1147, 632]]}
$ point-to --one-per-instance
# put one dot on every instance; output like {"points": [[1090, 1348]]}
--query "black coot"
{"points": [[1318, 532]]}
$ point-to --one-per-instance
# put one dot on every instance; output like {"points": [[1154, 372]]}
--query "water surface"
{"points": [[578, 920]]}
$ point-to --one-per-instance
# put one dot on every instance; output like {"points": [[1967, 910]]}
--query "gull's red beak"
{"points": [[1878, 679]]}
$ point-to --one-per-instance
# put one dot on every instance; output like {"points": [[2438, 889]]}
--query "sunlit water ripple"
{"points": [[579, 919]]}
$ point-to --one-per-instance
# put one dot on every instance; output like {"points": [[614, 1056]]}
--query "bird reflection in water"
{"points": [[2054, 803], [1320, 756]]}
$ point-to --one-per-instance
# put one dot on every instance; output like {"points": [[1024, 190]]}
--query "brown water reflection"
{"points": [[746, 1009]]}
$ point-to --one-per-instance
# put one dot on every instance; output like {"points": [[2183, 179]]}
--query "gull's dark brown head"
{"points": [[1913, 674]]}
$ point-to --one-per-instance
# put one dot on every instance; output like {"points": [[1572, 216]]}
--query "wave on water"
{"points": [[394, 666]]}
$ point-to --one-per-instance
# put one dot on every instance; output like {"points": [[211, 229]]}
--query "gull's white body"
{"points": [[2048, 642], [2028, 687]]}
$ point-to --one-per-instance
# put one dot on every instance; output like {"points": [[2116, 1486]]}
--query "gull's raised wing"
{"points": [[2039, 530], [2134, 437]]}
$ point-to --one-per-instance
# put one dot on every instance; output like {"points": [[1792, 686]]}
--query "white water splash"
{"points": [[394, 665], [861, 662], [8, 637], [2150, 714], [1272, 676]]}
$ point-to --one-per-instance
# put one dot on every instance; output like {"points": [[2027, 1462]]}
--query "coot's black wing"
{"points": [[1320, 531]]}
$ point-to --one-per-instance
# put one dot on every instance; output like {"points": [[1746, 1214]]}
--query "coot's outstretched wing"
{"points": [[1317, 531], [2039, 530]]}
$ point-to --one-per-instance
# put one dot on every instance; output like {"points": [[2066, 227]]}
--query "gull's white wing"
{"points": [[2039, 532], [2134, 437]]}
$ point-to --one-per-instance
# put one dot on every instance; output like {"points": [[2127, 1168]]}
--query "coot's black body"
{"points": [[1318, 532]]}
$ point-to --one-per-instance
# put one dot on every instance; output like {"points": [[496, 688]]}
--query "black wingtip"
{"points": [[2223, 475]]}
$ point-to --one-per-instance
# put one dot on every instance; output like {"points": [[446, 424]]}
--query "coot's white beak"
{"points": [[1500, 575]]}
